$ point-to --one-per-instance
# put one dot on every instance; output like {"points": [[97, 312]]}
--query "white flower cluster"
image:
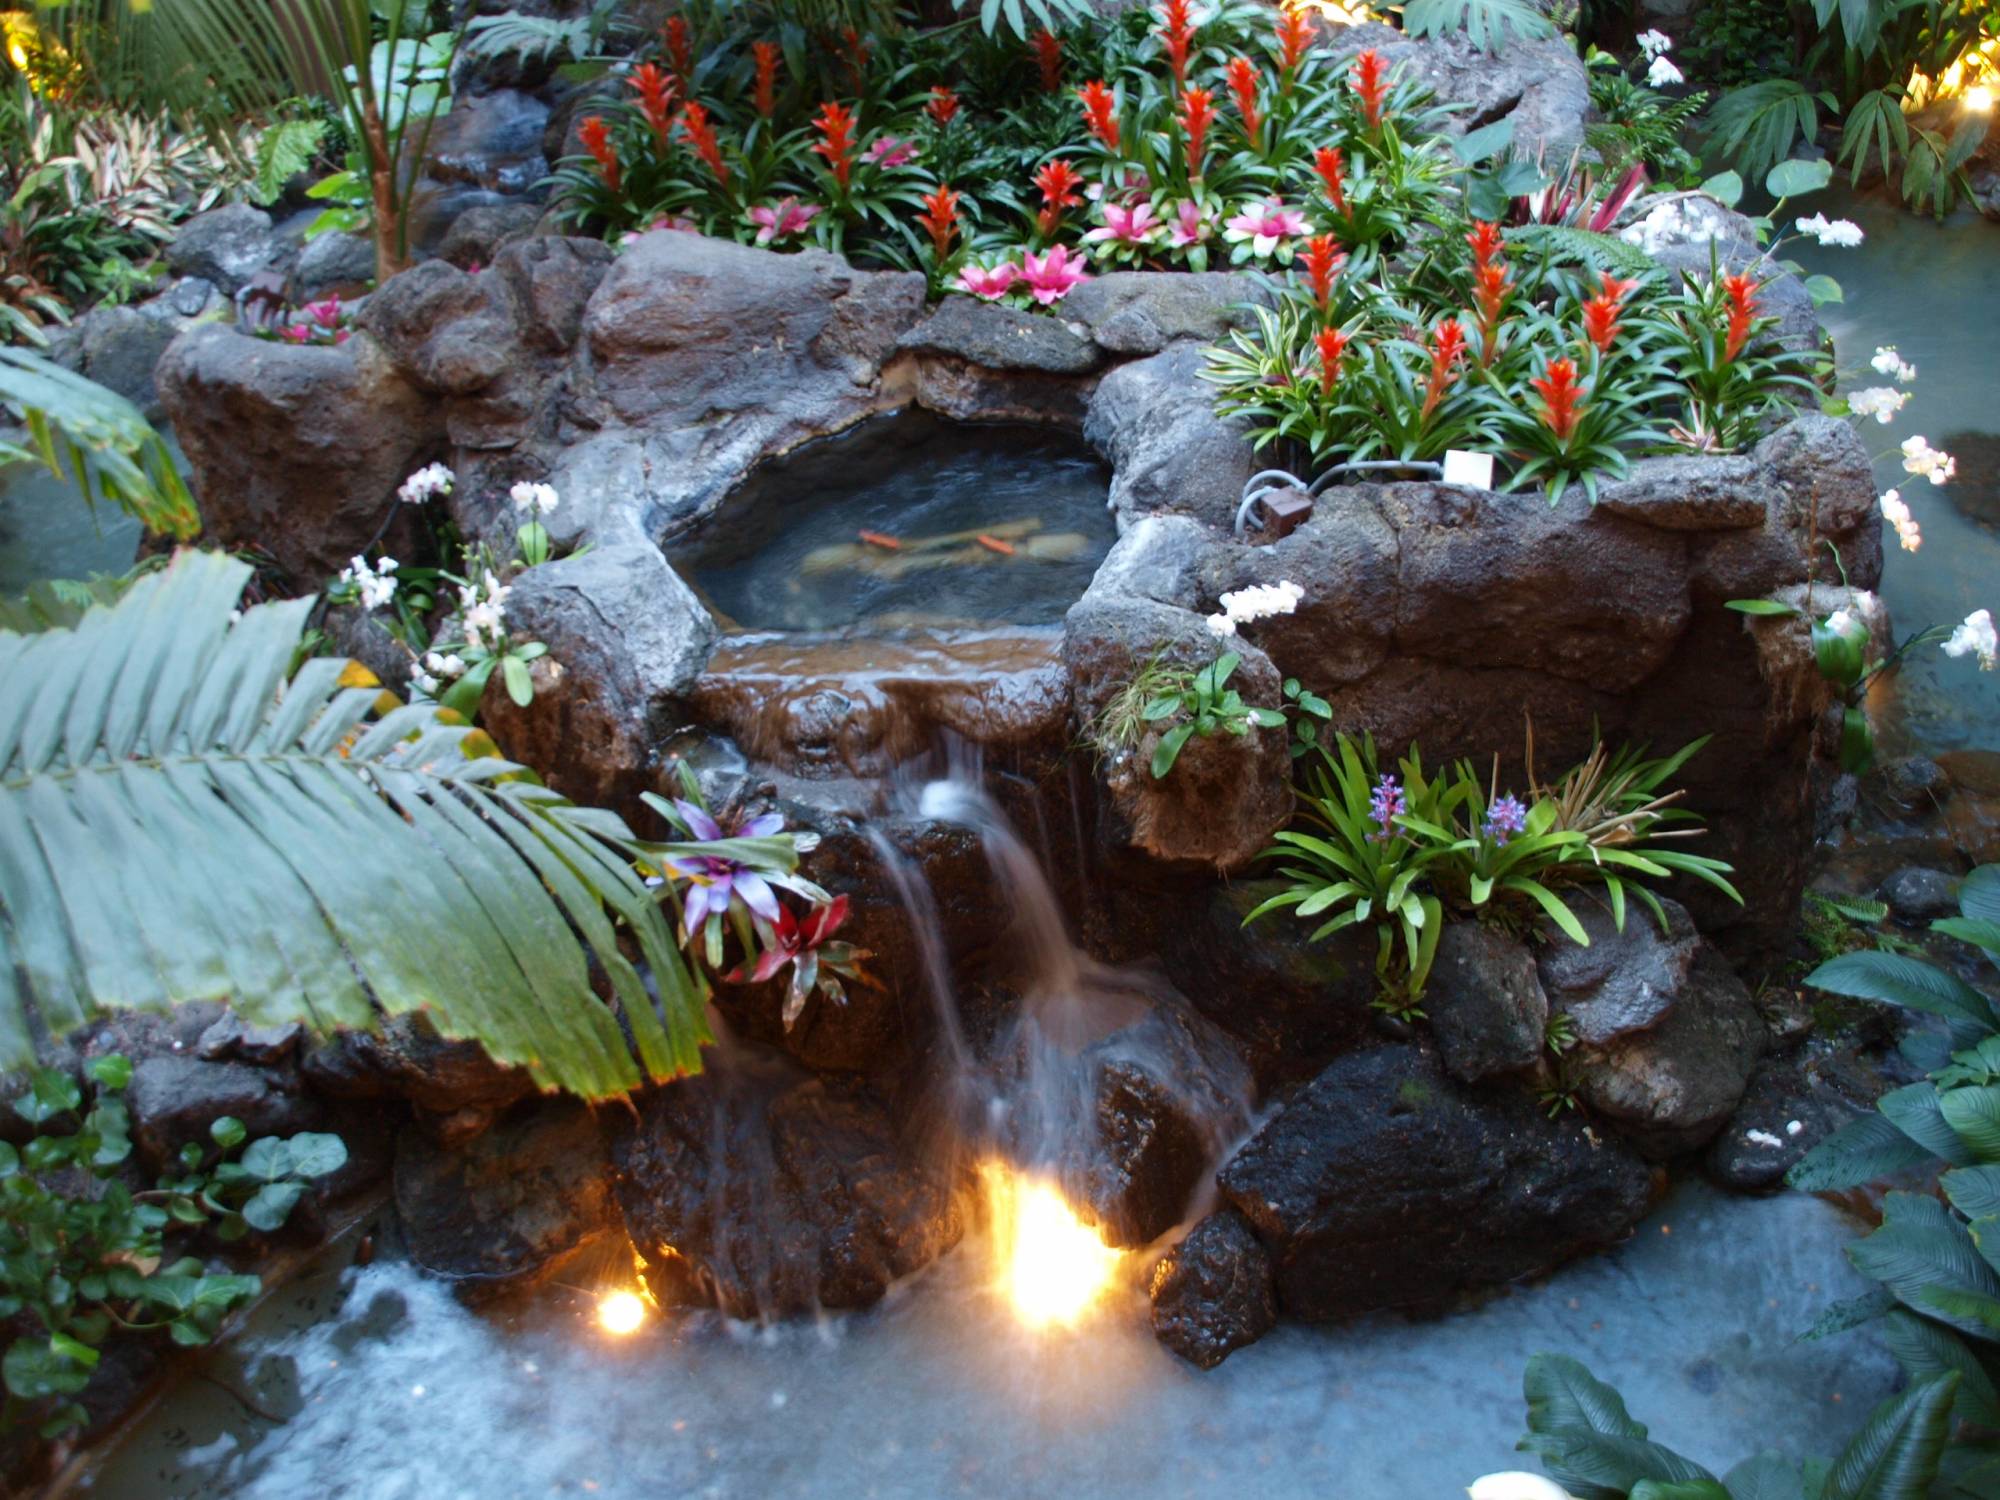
{"points": [[1654, 42], [1976, 637], [1888, 362], [1919, 457], [1663, 73], [1897, 514], [1843, 622], [375, 586], [1660, 70], [438, 669], [427, 483], [1258, 602], [482, 606], [1842, 233], [539, 499], [1881, 402]]}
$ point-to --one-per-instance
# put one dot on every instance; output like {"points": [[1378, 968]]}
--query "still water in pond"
{"points": [[907, 521], [378, 1385], [1929, 290]]}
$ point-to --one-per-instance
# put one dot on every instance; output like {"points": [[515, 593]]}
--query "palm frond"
{"points": [[178, 821], [1488, 24]]}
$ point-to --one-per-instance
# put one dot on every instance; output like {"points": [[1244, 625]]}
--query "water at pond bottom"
{"points": [[907, 521], [389, 1389]]}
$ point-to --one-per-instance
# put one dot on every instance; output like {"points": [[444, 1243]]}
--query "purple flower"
{"points": [[713, 880], [1385, 806], [1505, 818]]}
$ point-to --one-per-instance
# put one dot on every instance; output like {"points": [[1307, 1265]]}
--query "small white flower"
{"points": [[1259, 601], [1844, 233], [454, 665], [1888, 362], [1881, 402], [373, 587], [1762, 1138], [1897, 514], [1515, 1485], [1840, 622], [427, 483], [1662, 73], [539, 498], [424, 683], [1221, 625], [1653, 43], [1919, 457], [1976, 637], [1794, 1127]]}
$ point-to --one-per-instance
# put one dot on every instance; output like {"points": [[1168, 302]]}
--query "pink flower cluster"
{"points": [[1047, 278]]}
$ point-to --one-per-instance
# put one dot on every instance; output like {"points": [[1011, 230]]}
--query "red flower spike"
{"points": [[1371, 83], [940, 220], [1332, 349], [767, 55], [657, 91], [1332, 169], [835, 124], [701, 135], [857, 57], [1485, 241], [1294, 37], [1058, 182], [1323, 259], [1742, 292], [1562, 398], [680, 49], [1176, 30], [1196, 115], [1242, 76], [1447, 348], [1100, 113], [1600, 313], [596, 138], [943, 105], [1048, 57]]}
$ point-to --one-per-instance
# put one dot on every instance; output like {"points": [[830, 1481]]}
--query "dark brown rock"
{"points": [[1212, 1293], [1485, 1003], [174, 1100], [407, 1059]]}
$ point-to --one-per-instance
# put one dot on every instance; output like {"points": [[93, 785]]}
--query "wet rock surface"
{"points": [[1385, 1184], [174, 1099], [1485, 1002], [1212, 1293], [1624, 980], [406, 1059]]}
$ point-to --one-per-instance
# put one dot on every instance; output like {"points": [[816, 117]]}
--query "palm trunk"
{"points": [[390, 256]]}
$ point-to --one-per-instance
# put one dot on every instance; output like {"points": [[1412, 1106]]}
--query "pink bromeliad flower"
{"points": [[1266, 225], [1126, 226], [326, 314], [1190, 225], [989, 284], [787, 216], [889, 151], [1051, 277]]}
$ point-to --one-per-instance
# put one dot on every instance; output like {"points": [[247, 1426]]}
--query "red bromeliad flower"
{"points": [[1742, 291], [835, 123], [1562, 398], [1600, 313], [1048, 57], [767, 55], [1332, 349], [701, 134], [1197, 113], [1371, 83], [941, 219], [656, 89], [1490, 284], [596, 140], [1294, 37], [1242, 76], [1176, 29], [1332, 169], [1485, 241], [943, 105], [680, 49], [1100, 112], [1447, 348], [1324, 259], [1058, 182]]}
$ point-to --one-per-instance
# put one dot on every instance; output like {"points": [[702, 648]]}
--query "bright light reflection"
{"points": [[620, 1313], [1053, 1266], [1979, 98]]}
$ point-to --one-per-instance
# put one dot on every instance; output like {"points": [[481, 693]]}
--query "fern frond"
{"points": [[284, 151], [1569, 245]]}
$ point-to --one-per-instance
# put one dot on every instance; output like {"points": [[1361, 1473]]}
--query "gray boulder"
{"points": [[1485, 1003], [998, 337], [1918, 895], [1624, 981], [226, 246], [1141, 312], [1212, 1293], [334, 262], [1155, 420]]}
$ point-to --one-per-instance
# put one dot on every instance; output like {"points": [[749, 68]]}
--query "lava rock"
{"points": [[1624, 981], [233, 1039], [226, 246], [407, 1059], [120, 348], [448, 332], [174, 1100], [771, 1195], [1914, 782], [1485, 1003], [1782, 1116], [477, 235], [626, 638], [334, 263], [1142, 312], [510, 1207], [1386, 1184], [1918, 895], [998, 337], [1212, 1293], [1155, 420]]}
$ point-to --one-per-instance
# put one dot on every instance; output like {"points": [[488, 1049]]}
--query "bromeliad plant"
{"points": [[83, 1256], [1402, 848], [1200, 703]]}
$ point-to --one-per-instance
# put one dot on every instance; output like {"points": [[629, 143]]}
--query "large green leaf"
{"points": [[1925, 1348], [1920, 1251], [1973, 1113], [1895, 1454], [1908, 982], [1488, 24], [179, 822], [1586, 1439], [1859, 1152], [1918, 1110], [1765, 1477]]}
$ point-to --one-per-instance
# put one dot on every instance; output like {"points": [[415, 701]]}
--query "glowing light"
{"points": [[620, 1313], [1053, 1266], [1979, 99]]}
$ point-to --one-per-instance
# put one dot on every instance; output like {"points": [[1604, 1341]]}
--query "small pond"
{"points": [[907, 521]]}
